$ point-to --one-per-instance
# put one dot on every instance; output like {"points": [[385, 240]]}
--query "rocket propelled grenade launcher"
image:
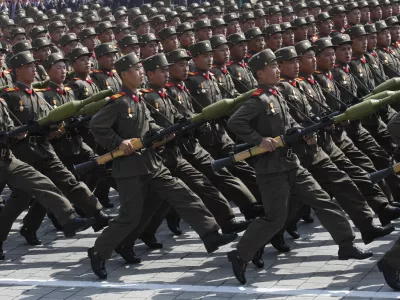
{"points": [[211, 112], [390, 85], [354, 112], [58, 114], [382, 174]]}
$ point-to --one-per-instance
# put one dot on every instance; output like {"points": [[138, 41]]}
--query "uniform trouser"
{"points": [[277, 191], [76, 192], [199, 184], [373, 148], [337, 183], [133, 192], [240, 169], [392, 257], [381, 135], [25, 179]]}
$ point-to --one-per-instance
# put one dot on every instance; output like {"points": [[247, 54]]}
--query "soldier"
{"points": [[300, 29], [68, 42], [204, 89], [261, 19], [314, 8], [88, 38], [25, 179], [233, 24], [353, 14], [274, 15], [169, 39], [394, 27], [243, 79], [41, 50], [332, 163], [255, 42], [129, 44], [288, 14], [76, 25], [158, 22], [365, 15], [5, 75], [339, 19], [38, 32], [279, 173], [219, 26], [375, 10], [92, 20], [301, 10], [247, 21], [106, 77], [386, 9], [324, 25], [105, 32], [36, 150], [312, 27], [273, 37], [148, 45], [6, 28], [173, 19], [56, 31], [287, 34], [136, 175], [203, 30], [141, 25]]}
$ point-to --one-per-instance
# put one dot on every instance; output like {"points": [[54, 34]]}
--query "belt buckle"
{"points": [[32, 140], [289, 153], [3, 152]]}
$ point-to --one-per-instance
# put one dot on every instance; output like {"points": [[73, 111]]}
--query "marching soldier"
{"points": [[129, 44], [273, 37], [88, 38], [169, 39], [281, 178], [287, 34], [41, 50], [125, 118], [300, 29]]}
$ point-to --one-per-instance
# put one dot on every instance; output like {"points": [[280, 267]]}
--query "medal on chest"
{"points": [[21, 105], [239, 76], [220, 79], [202, 88], [179, 99], [361, 73], [54, 103], [157, 107], [108, 85], [271, 106], [344, 80], [129, 112], [86, 91]]}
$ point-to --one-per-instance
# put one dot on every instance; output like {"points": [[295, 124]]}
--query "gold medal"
{"points": [[239, 76], [21, 105], [179, 99], [157, 107], [271, 105], [361, 73], [129, 112], [220, 79], [54, 103], [202, 88]]}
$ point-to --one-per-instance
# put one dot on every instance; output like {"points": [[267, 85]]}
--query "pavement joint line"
{"points": [[199, 288]]}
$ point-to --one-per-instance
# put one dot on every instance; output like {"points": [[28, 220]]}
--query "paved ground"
{"points": [[60, 269]]}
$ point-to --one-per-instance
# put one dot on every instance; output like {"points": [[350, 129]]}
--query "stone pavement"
{"points": [[60, 269]]}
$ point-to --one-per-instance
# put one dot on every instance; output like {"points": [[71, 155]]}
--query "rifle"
{"points": [[211, 112], [354, 112]]}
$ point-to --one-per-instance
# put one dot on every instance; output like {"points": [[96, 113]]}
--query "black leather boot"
{"points": [[97, 263], [30, 237]]}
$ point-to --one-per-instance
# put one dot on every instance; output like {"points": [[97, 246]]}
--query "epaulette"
{"points": [[67, 88], [8, 90], [229, 63], [282, 79], [193, 73], [336, 66], [257, 93], [211, 73], [147, 91], [116, 96], [169, 84], [318, 72], [7, 71], [76, 78], [97, 71], [40, 90], [300, 79]]}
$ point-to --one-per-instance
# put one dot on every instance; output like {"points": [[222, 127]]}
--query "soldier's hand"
{"points": [[268, 143], [21, 136], [127, 147]]}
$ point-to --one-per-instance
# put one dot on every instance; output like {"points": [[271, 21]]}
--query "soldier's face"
{"points": [[27, 73], [187, 39], [29, 27], [233, 27], [149, 49], [303, 13], [204, 61], [340, 20], [315, 11], [90, 42], [300, 33], [288, 18], [220, 30], [123, 19], [204, 34], [354, 17], [270, 75], [395, 9], [365, 15], [41, 35], [160, 26], [171, 43], [386, 11], [311, 30], [57, 34], [290, 68], [376, 13], [159, 77], [222, 54], [275, 18], [58, 72], [42, 53], [107, 61], [82, 64], [325, 27], [308, 62], [239, 50], [395, 32], [360, 44], [175, 22], [179, 70], [132, 48], [274, 42], [326, 59], [257, 44], [343, 53], [288, 38], [384, 38], [107, 36], [143, 28], [247, 25], [19, 38], [372, 40], [261, 22], [69, 47]]}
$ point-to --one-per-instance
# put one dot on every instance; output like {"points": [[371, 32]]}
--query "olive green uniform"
{"points": [[125, 118], [279, 175]]}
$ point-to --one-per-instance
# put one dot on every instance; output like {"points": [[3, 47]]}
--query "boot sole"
{"points": [[342, 257]]}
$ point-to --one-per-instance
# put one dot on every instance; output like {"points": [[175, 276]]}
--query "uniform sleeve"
{"points": [[8, 122], [98, 82], [393, 128], [239, 122], [77, 89], [152, 124], [101, 126]]}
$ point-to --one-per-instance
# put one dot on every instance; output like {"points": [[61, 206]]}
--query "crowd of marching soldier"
{"points": [[281, 108]]}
